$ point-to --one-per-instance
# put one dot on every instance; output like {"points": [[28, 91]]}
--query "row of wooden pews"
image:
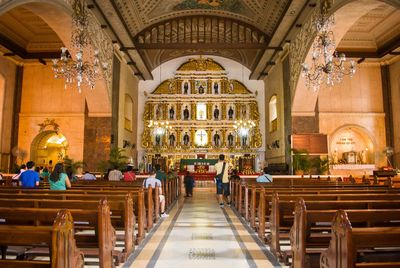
{"points": [[105, 214], [314, 215]]}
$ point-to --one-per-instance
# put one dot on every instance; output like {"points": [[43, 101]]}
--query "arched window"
{"points": [[273, 114], [128, 113]]}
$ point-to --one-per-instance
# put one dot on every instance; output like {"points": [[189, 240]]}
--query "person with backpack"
{"points": [[222, 180], [265, 177]]}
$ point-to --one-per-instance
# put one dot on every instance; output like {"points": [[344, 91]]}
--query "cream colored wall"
{"points": [[8, 71], [128, 85], [274, 86], [43, 97], [357, 101], [394, 70]]}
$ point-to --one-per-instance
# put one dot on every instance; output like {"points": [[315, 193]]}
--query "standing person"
{"points": [[189, 184], [115, 174], [153, 183], [58, 178], [265, 177], [29, 178], [222, 168], [129, 174]]}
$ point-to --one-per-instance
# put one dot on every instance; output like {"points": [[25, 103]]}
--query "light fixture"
{"points": [[159, 127], [328, 65], [79, 71], [243, 128]]}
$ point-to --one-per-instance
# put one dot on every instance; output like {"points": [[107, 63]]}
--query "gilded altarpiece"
{"points": [[201, 105]]}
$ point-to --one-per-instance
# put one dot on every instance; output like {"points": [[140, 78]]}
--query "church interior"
{"points": [[305, 91]]}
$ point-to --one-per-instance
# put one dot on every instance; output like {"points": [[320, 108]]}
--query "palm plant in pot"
{"points": [[301, 162]]}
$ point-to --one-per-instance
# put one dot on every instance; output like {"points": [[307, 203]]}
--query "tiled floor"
{"points": [[198, 233]]}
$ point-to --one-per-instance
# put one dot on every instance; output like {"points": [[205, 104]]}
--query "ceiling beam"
{"points": [[203, 46], [17, 50]]}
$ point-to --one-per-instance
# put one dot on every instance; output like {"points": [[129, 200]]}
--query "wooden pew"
{"points": [[59, 238], [347, 242], [282, 215], [99, 219], [308, 236], [122, 213], [123, 204]]}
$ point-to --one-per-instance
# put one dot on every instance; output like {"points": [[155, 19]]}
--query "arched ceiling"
{"points": [[27, 35]]}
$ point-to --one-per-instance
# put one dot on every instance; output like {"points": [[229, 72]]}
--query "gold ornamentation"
{"points": [[255, 114], [238, 87], [223, 111], [146, 138], [49, 122], [201, 64], [257, 138], [163, 88]]}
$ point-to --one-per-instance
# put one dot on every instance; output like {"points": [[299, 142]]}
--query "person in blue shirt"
{"points": [[265, 177], [29, 178]]}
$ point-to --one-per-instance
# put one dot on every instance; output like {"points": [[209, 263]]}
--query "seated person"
{"points": [[265, 177], [45, 174], [129, 174], [58, 178], [153, 182], [88, 176], [29, 178]]}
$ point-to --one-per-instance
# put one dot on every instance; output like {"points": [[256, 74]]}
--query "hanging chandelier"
{"points": [[328, 66], [159, 127], [79, 71], [244, 127]]}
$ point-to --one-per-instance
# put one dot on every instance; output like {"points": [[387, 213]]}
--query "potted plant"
{"points": [[320, 165], [301, 162]]}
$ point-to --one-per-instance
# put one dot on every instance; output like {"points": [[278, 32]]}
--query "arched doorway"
{"points": [[48, 145]]}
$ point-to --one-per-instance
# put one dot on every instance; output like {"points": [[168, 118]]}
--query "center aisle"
{"points": [[198, 233]]}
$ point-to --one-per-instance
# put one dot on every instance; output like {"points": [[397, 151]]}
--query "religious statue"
{"points": [[158, 113], [244, 140], [158, 140], [171, 139], [363, 157], [216, 139], [230, 112], [216, 88], [171, 112], [186, 113], [244, 111], [186, 139], [335, 157], [216, 113], [230, 140], [201, 89], [186, 88]]}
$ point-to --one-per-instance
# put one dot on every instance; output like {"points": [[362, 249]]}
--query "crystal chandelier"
{"points": [[159, 127], [328, 65], [79, 70], [243, 128]]}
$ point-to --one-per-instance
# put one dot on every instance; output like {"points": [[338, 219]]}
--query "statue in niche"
{"points": [[363, 157], [158, 140], [230, 140], [216, 113], [186, 139], [216, 139], [244, 112], [335, 157], [186, 113], [185, 88], [201, 89], [216, 87], [171, 139], [244, 140], [158, 113], [171, 113], [230, 112]]}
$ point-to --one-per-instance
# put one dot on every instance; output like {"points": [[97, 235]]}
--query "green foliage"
{"points": [[321, 165], [117, 159], [72, 165], [301, 161]]}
